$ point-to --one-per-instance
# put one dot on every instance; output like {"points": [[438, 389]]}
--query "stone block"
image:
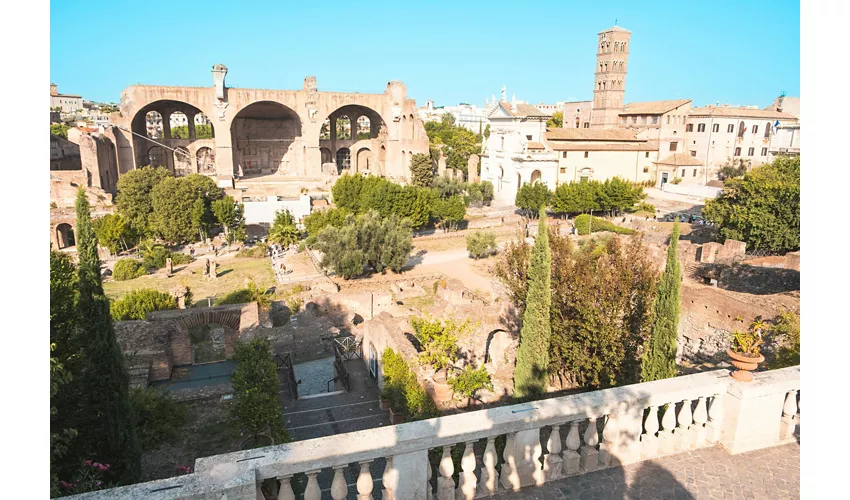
{"points": [[571, 463], [792, 260], [709, 252], [666, 443], [589, 460], [733, 250], [649, 446]]}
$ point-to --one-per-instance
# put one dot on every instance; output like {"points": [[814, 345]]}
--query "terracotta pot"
{"points": [[384, 404], [442, 390], [744, 365], [396, 418]]}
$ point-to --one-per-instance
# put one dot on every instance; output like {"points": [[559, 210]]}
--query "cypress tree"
{"points": [[533, 353], [110, 430], [659, 361]]}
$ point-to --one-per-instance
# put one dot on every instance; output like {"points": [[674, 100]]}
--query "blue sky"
{"points": [[449, 51]]}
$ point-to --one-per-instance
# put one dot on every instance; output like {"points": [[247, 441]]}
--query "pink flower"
{"points": [[87, 462], [99, 484]]}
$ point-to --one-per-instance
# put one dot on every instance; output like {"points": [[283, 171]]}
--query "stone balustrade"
{"points": [[584, 432]]}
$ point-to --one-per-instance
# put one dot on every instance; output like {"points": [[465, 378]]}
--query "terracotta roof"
{"points": [[603, 146], [591, 134], [522, 110], [535, 145], [730, 112], [652, 107], [680, 160]]}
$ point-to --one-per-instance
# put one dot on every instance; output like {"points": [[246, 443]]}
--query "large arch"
{"points": [[262, 135], [205, 161], [327, 156], [65, 235], [356, 127], [364, 160], [155, 119]]}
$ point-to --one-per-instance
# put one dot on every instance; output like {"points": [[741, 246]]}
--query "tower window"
{"points": [[647, 155], [646, 170], [564, 154], [701, 127], [673, 145], [693, 153], [528, 137], [683, 173], [586, 124], [586, 154]]}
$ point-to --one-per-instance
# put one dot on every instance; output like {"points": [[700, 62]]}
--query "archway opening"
{"points": [[518, 181], [203, 127], [156, 157], [325, 132], [206, 161], [262, 134], [179, 125], [182, 122], [364, 160], [183, 162], [153, 125], [343, 160], [535, 176], [327, 156], [343, 127], [208, 342], [65, 235], [364, 127]]}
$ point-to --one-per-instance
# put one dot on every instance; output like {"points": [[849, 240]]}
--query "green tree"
{"points": [[785, 335], [421, 170], [557, 120], [438, 341], [283, 230], [138, 303], [366, 240], [450, 212], [114, 232], [576, 197], [134, 196], [486, 192], [659, 361], [159, 417], [60, 130], [532, 364], [533, 197], [231, 216], [206, 192], [319, 219], [255, 385], [346, 192], [762, 208], [177, 215], [110, 431], [481, 244], [487, 131]]}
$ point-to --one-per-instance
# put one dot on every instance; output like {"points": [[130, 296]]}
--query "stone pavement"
{"points": [[708, 473]]}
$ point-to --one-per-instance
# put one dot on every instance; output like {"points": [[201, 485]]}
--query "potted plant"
{"points": [[385, 400], [468, 382], [744, 350], [439, 350]]}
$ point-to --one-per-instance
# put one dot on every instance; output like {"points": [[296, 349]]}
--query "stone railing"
{"points": [[586, 432]]}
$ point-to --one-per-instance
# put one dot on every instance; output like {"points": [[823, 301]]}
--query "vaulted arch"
{"points": [[262, 135]]}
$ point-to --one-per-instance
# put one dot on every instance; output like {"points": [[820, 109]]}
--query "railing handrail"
{"points": [[314, 454]]}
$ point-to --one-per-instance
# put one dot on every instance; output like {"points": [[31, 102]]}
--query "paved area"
{"points": [[709, 473]]}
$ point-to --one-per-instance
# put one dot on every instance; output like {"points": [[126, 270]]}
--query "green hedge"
{"points": [[402, 389], [138, 303], [127, 269], [155, 257], [584, 225]]}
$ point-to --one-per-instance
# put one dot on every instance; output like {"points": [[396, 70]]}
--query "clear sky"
{"points": [[450, 51]]}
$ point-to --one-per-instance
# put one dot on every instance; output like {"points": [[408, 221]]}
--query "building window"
{"points": [[701, 127], [764, 151], [563, 171], [695, 172], [586, 154], [528, 137], [668, 119], [751, 151], [655, 120], [730, 128], [634, 119], [564, 154], [693, 153], [737, 151], [622, 120], [767, 130], [755, 129], [689, 128], [503, 143], [647, 155], [683, 172], [673, 146], [646, 170], [586, 124], [715, 127]]}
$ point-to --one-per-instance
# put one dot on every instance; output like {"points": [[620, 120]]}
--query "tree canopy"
{"points": [[458, 143], [659, 361], [614, 195], [533, 197], [557, 120], [762, 208], [421, 170]]}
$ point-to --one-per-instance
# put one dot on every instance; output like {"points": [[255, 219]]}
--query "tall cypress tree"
{"points": [[659, 361], [110, 430], [533, 353]]}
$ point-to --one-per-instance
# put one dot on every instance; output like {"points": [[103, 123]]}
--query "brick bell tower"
{"points": [[612, 58]]}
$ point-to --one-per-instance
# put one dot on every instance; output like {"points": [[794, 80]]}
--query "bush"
{"points": [[642, 207], [154, 257], [158, 416], [533, 197], [251, 293], [402, 389], [676, 180], [584, 223], [127, 269], [471, 380], [481, 244], [258, 251], [785, 333], [487, 192], [138, 303], [255, 385]]}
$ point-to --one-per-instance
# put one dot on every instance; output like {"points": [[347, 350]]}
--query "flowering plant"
{"points": [[88, 478]]}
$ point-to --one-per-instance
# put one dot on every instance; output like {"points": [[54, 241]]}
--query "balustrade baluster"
{"points": [[508, 476], [489, 478], [608, 448], [700, 418], [312, 492], [364, 482], [445, 483], [789, 416], [339, 487], [666, 445], [467, 482], [649, 439], [589, 454], [552, 461], [429, 492], [684, 420], [285, 492], [715, 419], [572, 458]]}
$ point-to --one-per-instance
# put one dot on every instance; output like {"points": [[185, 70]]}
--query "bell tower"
{"points": [[609, 87]]}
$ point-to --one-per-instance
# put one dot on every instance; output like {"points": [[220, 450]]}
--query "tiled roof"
{"points": [[603, 146], [535, 145], [522, 110], [615, 28], [680, 160], [591, 134], [730, 112], [652, 107]]}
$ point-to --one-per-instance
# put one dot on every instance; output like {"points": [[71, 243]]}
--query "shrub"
{"points": [[402, 389], [154, 257], [676, 180], [471, 380], [251, 293], [255, 385], [127, 269], [584, 223], [481, 244], [258, 251], [487, 192], [138, 303], [158, 416], [642, 207], [785, 332]]}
